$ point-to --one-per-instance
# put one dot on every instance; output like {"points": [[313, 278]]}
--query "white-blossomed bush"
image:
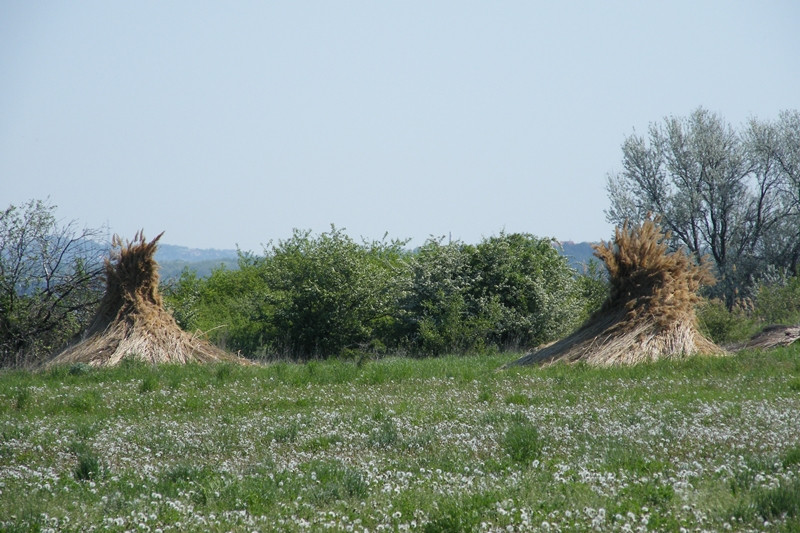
{"points": [[445, 444]]}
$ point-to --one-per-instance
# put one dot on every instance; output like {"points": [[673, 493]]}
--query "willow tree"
{"points": [[726, 193]]}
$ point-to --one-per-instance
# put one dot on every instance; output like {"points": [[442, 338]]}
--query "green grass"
{"points": [[448, 444], [522, 443], [88, 467]]}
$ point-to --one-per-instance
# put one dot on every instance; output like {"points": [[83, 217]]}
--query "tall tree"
{"points": [[720, 192], [773, 213], [787, 154]]}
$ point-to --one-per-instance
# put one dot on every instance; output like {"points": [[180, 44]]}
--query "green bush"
{"points": [[526, 289], [722, 325], [775, 303], [181, 298], [593, 287], [508, 292], [328, 293], [779, 303], [437, 318], [316, 296], [227, 306]]}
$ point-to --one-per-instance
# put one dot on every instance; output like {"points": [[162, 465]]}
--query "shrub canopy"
{"points": [[325, 295]]}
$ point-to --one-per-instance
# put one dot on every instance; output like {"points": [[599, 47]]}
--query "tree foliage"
{"points": [[50, 281]]}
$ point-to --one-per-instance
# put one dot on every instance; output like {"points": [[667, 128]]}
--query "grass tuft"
{"points": [[285, 433], [522, 442], [150, 383], [88, 467], [334, 482], [791, 456], [86, 401], [79, 369], [22, 398], [781, 501], [458, 514], [386, 435]]}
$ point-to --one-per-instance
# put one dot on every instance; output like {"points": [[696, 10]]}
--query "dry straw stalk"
{"points": [[650, 311], [131, 320]]}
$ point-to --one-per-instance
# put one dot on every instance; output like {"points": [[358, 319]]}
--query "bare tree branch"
{"points": [[50, 280]]}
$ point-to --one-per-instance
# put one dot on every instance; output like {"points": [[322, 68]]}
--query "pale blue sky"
{"points": [[227, 123]]}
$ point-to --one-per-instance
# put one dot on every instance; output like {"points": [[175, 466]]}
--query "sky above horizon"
{"points": [[231, 123]]}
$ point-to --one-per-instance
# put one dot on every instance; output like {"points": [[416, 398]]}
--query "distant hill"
{"points": [[578, 253], [173, 269], [172, 252], [172, 259]]}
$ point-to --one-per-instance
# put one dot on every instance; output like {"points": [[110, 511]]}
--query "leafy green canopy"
{"points": [[326, 295], [507, 292], [307, 297]]}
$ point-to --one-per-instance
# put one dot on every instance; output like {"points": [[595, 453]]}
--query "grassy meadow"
{"points": [[445, 444]]}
